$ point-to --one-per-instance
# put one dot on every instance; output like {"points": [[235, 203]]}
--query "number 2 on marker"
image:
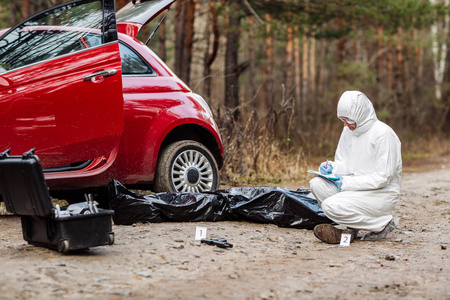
{"points": [[345, 239]]}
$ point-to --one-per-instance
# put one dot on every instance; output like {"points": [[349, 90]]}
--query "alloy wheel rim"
{"points": [[192, 172]]}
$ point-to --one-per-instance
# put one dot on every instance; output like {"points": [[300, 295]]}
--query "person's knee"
{"points": [[327, 208], [332, 208], [316, 183], [322, 189]]}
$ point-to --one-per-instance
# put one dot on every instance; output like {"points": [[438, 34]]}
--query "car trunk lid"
{"points": [[133, 16]]}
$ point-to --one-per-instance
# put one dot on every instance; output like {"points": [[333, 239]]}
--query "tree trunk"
{"points": [[252, 59], [340, 44], [305, 78], [210, 55], [410, 73], [400, 76], [298, 79], [13, 13], [25, 10], [54, 2], [389, 65], [231, 61], [323, 70], [355, 47], [418, 54], [379, 51], [184, 38], [440, 32], [312, 69], [269, 63], [180, 36], [399, 55], [121, 3], [439, 51], [162, 41], [289, 59], [41, 5]]}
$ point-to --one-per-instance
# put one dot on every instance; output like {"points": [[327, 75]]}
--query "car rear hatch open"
{"points": [[133, 16]]}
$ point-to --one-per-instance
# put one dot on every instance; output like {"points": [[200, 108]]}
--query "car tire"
{"points": [[186, 166]]}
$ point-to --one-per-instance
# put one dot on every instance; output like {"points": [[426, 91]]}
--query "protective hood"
{"points": [[356, 106], [133, 16]]}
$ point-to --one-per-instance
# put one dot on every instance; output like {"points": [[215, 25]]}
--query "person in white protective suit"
{"points": [[368, 168]]}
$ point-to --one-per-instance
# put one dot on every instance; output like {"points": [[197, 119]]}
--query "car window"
{"points": [[133, 63], [58, 32]]}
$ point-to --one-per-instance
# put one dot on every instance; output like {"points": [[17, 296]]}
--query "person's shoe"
{"points": [[329, 234], [373, 236]]}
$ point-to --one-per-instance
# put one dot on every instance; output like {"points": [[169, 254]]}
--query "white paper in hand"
{"points": [[327, 176]]}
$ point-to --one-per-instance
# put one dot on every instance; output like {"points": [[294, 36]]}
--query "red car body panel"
{"points": [[129, 28], [153, 107], [45, 111]]}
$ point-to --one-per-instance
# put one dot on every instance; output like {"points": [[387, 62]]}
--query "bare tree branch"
{"points": [[250, 8]]}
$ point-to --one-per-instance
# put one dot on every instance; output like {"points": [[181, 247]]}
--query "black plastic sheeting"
{"points": [[279, 206]]}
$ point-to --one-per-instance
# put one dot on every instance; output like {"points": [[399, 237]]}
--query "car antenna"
{"points": [[157, 26]]}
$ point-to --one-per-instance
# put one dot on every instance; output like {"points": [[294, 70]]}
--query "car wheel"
{"points": [[186, 166]]}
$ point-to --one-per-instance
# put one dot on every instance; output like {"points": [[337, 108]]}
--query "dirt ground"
{"points": [[162, 261]]}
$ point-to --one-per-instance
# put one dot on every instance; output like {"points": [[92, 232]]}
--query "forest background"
{"points": [[272, 72]]}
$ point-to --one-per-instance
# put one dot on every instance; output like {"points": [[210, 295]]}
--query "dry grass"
{"points": [[262, 159], [425, 147], [263, 163], [425, 154]]}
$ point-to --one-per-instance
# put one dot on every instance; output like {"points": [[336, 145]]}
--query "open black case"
{"points": [[25, 193]]}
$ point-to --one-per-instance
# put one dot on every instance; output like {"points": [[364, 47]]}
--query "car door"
{"points": [[60, 92]]}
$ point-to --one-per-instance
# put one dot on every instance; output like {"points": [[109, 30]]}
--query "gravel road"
{"points": [[162, 261]]}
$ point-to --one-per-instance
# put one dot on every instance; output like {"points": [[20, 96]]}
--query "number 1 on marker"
{"points": [[200, 233]]}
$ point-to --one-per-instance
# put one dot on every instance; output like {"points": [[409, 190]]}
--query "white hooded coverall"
{"points": [[370, 156]]}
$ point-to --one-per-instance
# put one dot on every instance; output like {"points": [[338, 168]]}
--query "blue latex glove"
{"points": [[337, 182], [325, 168]]}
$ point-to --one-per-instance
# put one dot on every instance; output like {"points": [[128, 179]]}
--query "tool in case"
{"points": [[25, 193]]}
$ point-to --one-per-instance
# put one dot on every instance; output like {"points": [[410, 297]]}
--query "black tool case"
{"points": [[25, 193]]}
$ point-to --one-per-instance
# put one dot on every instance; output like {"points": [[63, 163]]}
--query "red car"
{"points": [[96, 103]]}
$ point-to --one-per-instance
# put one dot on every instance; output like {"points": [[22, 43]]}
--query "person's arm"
{"points": [[387, 149], [342, 151]]}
